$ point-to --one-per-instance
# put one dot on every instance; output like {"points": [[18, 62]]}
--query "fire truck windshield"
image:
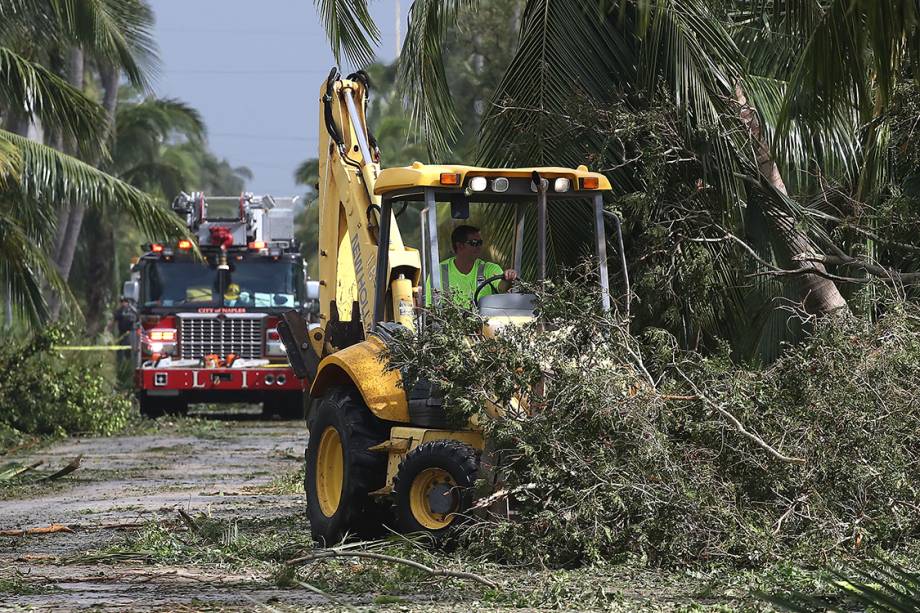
{"points": [[263, 283], [181, 283], [258, 282]]}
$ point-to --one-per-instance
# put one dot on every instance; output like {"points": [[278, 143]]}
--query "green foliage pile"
{"points": [[46, 391], [627, 449]]}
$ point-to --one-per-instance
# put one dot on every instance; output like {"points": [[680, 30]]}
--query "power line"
{"points": [[256, 71], [299, 139]]}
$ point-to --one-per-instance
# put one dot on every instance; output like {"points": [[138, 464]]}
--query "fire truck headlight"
{"points": [[273, 344], [156, 347]]}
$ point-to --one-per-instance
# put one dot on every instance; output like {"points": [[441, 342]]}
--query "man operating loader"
{"points": [[464, 272]]}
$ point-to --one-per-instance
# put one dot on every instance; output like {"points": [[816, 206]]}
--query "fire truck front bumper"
{"points": [[155, 379]]}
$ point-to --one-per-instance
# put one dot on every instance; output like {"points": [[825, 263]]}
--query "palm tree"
{"points": [[143, 132], [35, 180]]}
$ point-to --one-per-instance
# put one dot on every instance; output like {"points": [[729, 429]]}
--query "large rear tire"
{"points": [[434, 487], [340, 471]]}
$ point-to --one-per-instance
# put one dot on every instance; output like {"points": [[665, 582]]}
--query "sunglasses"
{"points": [[474, 243]]}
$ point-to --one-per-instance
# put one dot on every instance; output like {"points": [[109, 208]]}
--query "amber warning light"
{"points": [[589, 182], [450, 178], [185, 244]]}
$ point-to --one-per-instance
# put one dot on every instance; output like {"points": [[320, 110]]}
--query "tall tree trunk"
{"points": [[109, 78], [99, 276], [819, 295], [102, 272], [70, 229]]}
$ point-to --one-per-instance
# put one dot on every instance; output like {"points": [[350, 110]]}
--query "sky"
{"points": [[253, 71]]}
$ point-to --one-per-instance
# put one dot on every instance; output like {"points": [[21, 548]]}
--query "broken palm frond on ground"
{"points": [[877, 585], [16, 472], [633, 449]]}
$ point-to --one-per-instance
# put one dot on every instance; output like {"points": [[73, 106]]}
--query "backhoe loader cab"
{"points": [[528, 192], [379, 448]]}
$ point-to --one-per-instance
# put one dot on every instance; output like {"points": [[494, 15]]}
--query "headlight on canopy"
{"points": [[478, 184], [500, 184], [562, 184]]}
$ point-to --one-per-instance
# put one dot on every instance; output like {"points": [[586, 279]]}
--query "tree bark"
{"points": [[820, 296], [64, 257], [70, 229]]}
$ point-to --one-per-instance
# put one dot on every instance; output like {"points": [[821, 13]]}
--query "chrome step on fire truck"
{"points": [[206, 330]]}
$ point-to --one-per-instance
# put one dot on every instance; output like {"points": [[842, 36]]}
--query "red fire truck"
{"points": [[206, 329]]}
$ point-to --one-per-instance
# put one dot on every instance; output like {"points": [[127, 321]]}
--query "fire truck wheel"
{"points": [[434, 486], [286, 405], [154, 407], [340, 471]]}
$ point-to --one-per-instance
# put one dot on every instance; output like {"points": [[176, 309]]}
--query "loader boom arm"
{"points": [[349, 220]]}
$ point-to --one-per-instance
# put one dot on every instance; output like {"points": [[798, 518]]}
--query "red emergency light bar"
{"points": [[185, 244], [156, 248]]}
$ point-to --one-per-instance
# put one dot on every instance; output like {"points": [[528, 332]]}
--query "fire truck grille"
{"points": [[200, 336]]}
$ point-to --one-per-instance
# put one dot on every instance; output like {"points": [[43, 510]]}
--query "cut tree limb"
{"points": [[42, 530], [738, 425], [437, 572]]}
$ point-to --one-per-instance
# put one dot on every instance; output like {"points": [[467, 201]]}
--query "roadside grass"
{"points": [[286, 484]]}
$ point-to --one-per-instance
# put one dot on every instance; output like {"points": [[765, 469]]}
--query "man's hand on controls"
{"points": [[510, 276]]}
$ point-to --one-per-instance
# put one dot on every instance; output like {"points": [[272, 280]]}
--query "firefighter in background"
{"points": [[123, 318]]}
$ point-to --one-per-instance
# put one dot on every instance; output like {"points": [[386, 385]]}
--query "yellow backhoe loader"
{"points": [[373, 440]]}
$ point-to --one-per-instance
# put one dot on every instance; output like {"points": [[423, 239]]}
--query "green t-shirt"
{"points": [[462, 285]]}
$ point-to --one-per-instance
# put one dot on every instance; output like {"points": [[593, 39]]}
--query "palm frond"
{"points": [[421, 70], [24, 267], [875, 586], [119, 31], [862, 37], [10, 163], [116, 31], [50, 178], [350, 30], [39, 92]]}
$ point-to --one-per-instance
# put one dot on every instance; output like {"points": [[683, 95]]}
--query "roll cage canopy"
{"points": [[458, 185]]}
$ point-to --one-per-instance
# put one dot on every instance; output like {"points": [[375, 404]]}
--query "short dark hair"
{"points": [[461, 234]]}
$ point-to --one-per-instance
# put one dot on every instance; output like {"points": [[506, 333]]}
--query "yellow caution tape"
{"points": [[91, 347]]}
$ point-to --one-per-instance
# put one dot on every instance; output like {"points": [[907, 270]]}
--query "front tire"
{"points": [[340, 471], [434, 486]]}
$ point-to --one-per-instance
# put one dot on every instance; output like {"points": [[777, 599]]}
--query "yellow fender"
{"points": [[361, 365]]}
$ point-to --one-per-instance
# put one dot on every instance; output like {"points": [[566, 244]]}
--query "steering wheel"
{"points": [[482, 286]]}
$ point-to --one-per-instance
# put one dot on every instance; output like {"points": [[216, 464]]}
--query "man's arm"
{"points": [[509, 275]]}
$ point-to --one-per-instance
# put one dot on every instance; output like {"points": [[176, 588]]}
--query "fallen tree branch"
{"points": [[907, 278], [773, 270], [43, 530], [72, 466], [738, 425], [437, 572]]}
